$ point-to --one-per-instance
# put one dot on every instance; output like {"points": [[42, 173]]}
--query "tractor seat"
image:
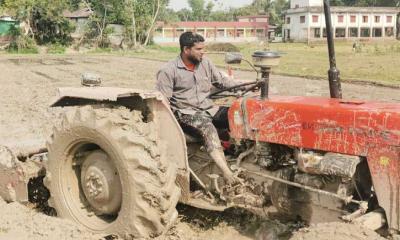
{"points": [[192, 139]]}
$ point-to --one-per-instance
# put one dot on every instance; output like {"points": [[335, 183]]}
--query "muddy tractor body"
{"points": [[354, 141], [311, 158]]}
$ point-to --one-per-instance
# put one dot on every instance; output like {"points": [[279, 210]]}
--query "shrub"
{"points": [[222, 47], [21, 43]]}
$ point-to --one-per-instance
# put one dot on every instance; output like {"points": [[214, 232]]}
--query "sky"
{"points": [[220, 4]]}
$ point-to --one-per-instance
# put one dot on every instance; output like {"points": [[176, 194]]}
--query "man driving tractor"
{"points": [[186, 82]]}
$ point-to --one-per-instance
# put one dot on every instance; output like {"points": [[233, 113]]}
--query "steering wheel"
{"points": [[236, 91]]}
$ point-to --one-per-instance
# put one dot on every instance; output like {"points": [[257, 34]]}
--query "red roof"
{"points": [[254, 16], [217, 24]]}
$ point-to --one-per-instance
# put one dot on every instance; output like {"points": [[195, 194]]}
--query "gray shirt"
{"points": [[187, 90]]}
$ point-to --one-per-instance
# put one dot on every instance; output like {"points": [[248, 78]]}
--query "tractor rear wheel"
{"points": [[107, 172]]}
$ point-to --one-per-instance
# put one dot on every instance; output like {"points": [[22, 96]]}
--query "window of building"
{"points": [[377, 32], [315, 18], [324, 33], [377, 19], [364, 19], [389, 32], [239, 32], [296, 6], [178, 32], [340, 32], [169, 33], [302, 19], [220, 32], [288, 20], [200, 31], [210, 33], [316, 32], [251, 32], [287, 35], [353, 32], [260, 32], [353, 18], [340, 18], [158, 32], [365, 32], [389, 19]]}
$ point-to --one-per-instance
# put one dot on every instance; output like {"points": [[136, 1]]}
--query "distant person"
{"points": [[356, 47], [186, 82]]}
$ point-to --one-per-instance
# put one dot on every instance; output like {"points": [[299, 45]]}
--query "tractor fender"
{"points": [[70, 96], [154, 108]]}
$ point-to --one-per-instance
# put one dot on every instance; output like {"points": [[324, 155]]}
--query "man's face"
{"points": [[195, 53]]}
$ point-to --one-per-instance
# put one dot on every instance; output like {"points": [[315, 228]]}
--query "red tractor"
{"points": [[119, 162]]}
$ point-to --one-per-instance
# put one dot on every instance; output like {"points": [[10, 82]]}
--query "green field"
{"points": [[373, 62]]}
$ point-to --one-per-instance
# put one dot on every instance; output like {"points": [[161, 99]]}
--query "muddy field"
{"points": [[27, 87]]}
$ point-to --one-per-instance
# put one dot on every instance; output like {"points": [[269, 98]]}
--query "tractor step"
{"points": [[205, 204]]}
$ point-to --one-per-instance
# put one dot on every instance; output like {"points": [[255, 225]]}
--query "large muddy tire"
{"points": [[107, 172], [337, 231]]}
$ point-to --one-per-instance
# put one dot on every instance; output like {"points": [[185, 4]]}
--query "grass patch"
{"points": [[372, 61], [101, 50], [56, 49], [168, 49], [24, 51]]}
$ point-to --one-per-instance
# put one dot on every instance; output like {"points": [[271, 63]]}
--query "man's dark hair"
{"points": [[188, 39]]}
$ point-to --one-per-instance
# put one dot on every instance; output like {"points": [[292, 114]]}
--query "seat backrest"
{"points": [[192, 139]]}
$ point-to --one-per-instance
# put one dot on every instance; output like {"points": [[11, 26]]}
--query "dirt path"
{"points": [[28, 85]]}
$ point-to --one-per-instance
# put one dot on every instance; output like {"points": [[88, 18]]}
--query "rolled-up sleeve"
{"points": [[165, 83], [221, 80]]}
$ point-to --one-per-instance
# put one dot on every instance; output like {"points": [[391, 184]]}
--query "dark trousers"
{"points": [[203, 125]]}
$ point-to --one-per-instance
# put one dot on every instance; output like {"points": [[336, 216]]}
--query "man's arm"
{"points": [[165, 84], [221, 80]]}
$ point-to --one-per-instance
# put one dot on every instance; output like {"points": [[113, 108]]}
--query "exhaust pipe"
{"points": [[333, 73]]}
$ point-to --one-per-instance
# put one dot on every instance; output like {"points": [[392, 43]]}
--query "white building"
{"points": [[305, 20]]}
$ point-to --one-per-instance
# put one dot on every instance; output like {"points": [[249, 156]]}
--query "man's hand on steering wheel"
{"points": [[240, 90]]}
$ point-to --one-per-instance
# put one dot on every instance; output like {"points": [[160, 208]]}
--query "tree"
{"points": [[74, 4], [197, 7], [49, 24], [221, 16], [168, 15], [185, 15], [139, 19], [22, 11], [274, 9], [99, 20], [208, 10], [43, 19], [156, 11]]}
